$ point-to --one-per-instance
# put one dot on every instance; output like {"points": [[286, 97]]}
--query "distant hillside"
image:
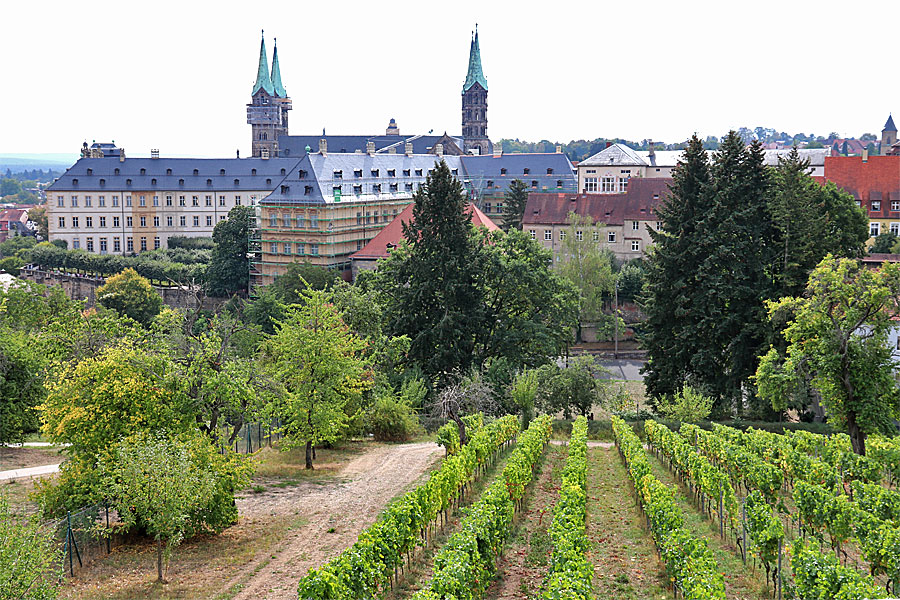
{"points": [[29, 162]]}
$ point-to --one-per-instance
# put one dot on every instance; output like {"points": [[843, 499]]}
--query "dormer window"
{"points": [[181, 182], [237, 182], [268, 182], [338, 174], [454, 172], [102, 182], [221, 171], [143, 171], [285, 189], [209, 182], [490, 183], [301, 174], [168, 171], [282, 172], [196, 172], [559, 183], [549, 171], [75, 181], [534, 184], [90, 172], [307, 190], [128, 182], [418, 172], [406, 172], [357, 173], [153, 181], [253, 172], [503, 171], [374, 172], [116, 171], [392, 172], [527, 171]]}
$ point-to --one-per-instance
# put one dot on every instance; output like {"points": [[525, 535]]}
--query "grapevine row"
{"points": [[463, 568], [570, 573], [688, 560], [369, 563]]}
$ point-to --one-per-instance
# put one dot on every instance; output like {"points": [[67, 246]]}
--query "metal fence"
{"points": [[80, 536], [251, 437]]}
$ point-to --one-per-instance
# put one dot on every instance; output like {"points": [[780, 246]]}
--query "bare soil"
{"points": [[332, 514], [23, 458]]}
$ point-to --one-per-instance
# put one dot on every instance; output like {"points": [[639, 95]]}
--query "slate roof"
{"points": [[87, 173], [889, 124], [318, 173], [295, 145], [639, 203], [624, 156], [481, 169], [615, 155], [392, 235]]}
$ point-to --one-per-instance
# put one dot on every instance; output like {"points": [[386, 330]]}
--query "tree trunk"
{"points": [[857, 436], [309, 464], [461, 426], [159, 561], [314, 453]]}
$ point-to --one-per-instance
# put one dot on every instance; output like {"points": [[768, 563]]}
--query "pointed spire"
{"points": [[475, 74], [276, 74], [262, 74], [889, 126]]}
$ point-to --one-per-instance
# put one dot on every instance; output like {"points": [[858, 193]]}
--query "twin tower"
{"points": [[267, 114]]}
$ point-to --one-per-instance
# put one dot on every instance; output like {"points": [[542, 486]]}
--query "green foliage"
{"points": [[574, 389], [838, 338], [131, 295], [818, 575], [21, 384], [448, 437], [357, 572], [516, 197], [631, 279], [687, 405], [300, 276], [190, 243], [156, 265], [884, 243], [524, 393], [229, 265], [392, 420], [9, 187], [29, 558], [154, 485], [320, 368], [571, 575]]}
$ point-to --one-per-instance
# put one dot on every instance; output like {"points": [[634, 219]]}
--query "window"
{"points": [[221, 217], [74, 201], [895, 228], [357, 189], [209, 220], [102, 221], [196, 221], [533, 183], [287, 247], [498, 208], [142, 201], [169, 221], [182, 221], [181, 201], [368, 217], [101, 200], [76, 244], [562, 234], [209, 200], [359, 218], [418, 172], [635, 246], [406, 172], [129, 244], [503, 171], [876, 205], [87, 201], [90, 244], [895, 205], [596, 236], [376, 188], [392, 172], [526, 171], [127, 200], [590, 184], [286, 219], [237, 200], [300, 248], [155, 200], [532, 233], [156, 243], [635, 225], [74, 222], [607, 184], [611, 237], [117, 245], [307, 190], [874, 229], [221, 200], [314, 249], [375, 217], [60, 201], [103, 247], [143, 244], [338, 174], [314, 221], [623, 185], [374, 172], [273, 220], [356, 173], [115, 200], [195, 201], [579, 235], [156, 221], [89, 222], [62, 222], [116, 222], [548, 235], [273, 247], [394, 187], [301, 221], [143, 221], [129, 222], [487, 207], [168, 200]]}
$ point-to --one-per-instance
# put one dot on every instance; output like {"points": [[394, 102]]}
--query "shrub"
{"points": [[29, 558], [393, 420], [687, 406]]}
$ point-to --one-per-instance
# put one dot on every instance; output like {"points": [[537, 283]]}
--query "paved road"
{"points": [[35, 445], [30, 472], [623, 368]]}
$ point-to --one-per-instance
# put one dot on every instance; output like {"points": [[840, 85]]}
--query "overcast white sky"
{"points": [[177, 75]]}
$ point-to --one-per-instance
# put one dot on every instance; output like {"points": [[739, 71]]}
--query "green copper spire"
{"points": [[276, 74], [262, 75], [475, 74]]}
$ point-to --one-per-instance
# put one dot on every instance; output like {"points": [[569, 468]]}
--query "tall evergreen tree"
{"points": [[514, 204], [435, 299], [671, 275]]}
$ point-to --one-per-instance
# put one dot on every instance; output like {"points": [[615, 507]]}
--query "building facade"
{"points": [[120, 205], [267, 113], [626, 219], [874, 181]]}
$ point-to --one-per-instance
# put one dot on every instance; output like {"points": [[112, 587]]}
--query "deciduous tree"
{"points": [[131, 295], [229, 266]]}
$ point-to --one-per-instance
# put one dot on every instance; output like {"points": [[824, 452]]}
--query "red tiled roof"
{"points": [[876, 179], [637, 204], [391, 236], [13, 214]]}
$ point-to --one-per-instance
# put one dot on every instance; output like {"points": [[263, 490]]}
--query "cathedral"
{"points": [[267, 115]]}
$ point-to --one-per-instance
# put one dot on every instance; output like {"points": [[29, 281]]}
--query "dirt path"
{"points": [[331, 517], [620, 548], [523, 567]]}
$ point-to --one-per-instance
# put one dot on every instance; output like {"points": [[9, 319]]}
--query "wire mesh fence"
{"points": [[250, 437], [84, 536]]}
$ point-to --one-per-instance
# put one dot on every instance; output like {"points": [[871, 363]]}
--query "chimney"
{"points": [[370, 148], [865, 155], [558, 149], [439, 149], [238, 153], [608, 144], [652, 152], [498, 150], [121, 154], [154, 153], [264, 154], [323, 146], [408, 148]]}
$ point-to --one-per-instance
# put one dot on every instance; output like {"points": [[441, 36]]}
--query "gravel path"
{"points": [[29, 472]]}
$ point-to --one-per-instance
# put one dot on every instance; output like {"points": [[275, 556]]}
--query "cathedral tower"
{"points": [[474, 104], [267, 114]]}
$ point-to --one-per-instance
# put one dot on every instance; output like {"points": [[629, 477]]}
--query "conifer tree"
{"points": [[514, 205]]}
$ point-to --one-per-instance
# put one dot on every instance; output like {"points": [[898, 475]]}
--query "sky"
{"points": [[177, 75]]}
